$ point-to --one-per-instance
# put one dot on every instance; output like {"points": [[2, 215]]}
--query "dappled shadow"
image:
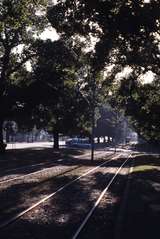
{"points": [[63, 213], [28, 157], [40, 153], [143, 208], [146, 148], [19, 191], [24, 157], [60, 216], [48, 159], [145, 159]]}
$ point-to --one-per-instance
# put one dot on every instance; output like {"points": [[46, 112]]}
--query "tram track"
{"points": [[18, 215], [5, 178], [27, 174], [91, 211]]}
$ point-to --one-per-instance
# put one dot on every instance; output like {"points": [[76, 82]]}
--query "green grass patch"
{"points": [[143, 168]]}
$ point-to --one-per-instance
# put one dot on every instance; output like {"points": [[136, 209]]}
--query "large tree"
{"points": [[126, 35], [20, 22], [142, 103], [117, 25], [58, 101]]}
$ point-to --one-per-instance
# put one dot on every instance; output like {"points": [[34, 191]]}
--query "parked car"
{"points": [[78, 142]]}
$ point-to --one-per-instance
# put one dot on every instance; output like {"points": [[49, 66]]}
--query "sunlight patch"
{"points": [[142, 168], [147, 78], [64, 218]]}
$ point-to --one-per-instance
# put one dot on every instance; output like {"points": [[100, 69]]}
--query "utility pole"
{"points": [[93, 86]]}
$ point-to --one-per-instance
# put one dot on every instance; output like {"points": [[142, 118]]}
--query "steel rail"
{"points": [[122, 210], [82, 225], [34, 165], [26, 175], [18, 215], [36, 172]]}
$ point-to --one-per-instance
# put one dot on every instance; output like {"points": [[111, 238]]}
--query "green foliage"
{"points": [[127, 34], [64, 109], [142, 104], [16, 14], [129, 26], [18, 23]]}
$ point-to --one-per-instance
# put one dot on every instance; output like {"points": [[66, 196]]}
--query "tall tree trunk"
{"points": [[3, 88], [2, 144], [56, 139], [7, 136]]}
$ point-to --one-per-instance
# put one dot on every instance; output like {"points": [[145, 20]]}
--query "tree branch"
{"points": [[18, 65]]}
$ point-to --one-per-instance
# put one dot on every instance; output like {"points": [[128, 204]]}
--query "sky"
{"points": [[49, 33]]}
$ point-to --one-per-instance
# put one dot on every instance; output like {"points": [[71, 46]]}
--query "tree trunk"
{"points": [[7, 136], [56, 139], [109, 139], [4, 75], [2, 144]]}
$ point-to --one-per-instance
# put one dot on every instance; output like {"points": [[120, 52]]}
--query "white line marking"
{"points": [[97, 202], [52, 194]]}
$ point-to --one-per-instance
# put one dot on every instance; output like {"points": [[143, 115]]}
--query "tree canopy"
{"points": [[142, 104], [20, 22], [99, 40], [117, 25], [58, 104], [126, 34]]}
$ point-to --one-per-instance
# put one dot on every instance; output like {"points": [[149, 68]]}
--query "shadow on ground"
{"points": [[60, 216]]}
